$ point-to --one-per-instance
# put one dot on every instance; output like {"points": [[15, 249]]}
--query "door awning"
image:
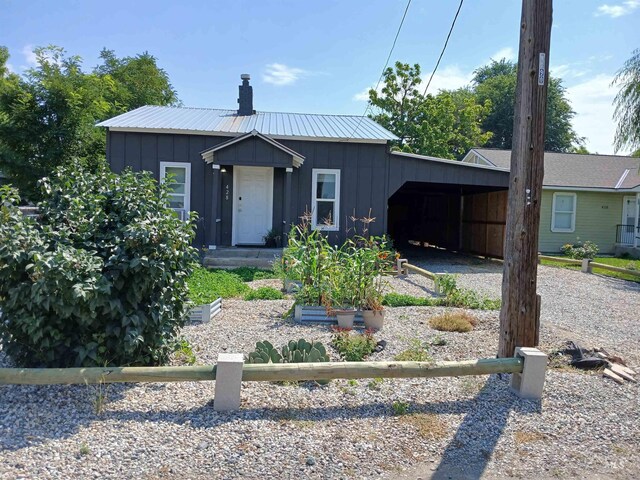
{"points": [[253, 149]]}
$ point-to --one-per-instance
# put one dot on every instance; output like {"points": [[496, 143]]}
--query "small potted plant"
{"points": [[271, 239], [372, 309]]}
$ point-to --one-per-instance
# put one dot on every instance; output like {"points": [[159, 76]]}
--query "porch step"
{"points": [[228, 258]]}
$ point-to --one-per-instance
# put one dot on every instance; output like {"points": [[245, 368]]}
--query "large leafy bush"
{"points": [[99, 278]]}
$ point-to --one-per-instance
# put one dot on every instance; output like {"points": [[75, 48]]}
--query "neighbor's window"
{"points": [[563, 215], [325, 199], [180, 186]]}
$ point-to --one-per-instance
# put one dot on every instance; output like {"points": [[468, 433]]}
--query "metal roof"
{"points": [[577, 170], [209, 121]]}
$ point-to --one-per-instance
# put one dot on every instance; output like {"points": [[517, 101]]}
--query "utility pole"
{"points": [[520, 313]]}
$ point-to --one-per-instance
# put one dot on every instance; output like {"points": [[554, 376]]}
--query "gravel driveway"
{"points": [[593, 309], [468, 427]]}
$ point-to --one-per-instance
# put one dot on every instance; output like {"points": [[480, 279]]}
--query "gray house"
{"points": [[246, 173]]}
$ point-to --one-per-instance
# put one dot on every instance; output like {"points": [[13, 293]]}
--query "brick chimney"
{"points": [[245, 97]]}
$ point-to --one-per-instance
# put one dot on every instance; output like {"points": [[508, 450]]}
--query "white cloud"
{"points": [[592, 100], [10, 68], [362, 96], [507, 52], [29, 55], [618, 10], [450, 77], [280, 74]]}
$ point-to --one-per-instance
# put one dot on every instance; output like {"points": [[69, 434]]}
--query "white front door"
{"points": [[252, 204]]}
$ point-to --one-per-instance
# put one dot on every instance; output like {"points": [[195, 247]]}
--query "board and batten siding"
{"points": [[597, 214]]}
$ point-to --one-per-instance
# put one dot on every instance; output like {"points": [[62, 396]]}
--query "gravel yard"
{"points": [[455, 427]]}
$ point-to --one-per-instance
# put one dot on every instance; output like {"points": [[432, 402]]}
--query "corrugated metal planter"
{"points": [[205, 313], [317, 314]]}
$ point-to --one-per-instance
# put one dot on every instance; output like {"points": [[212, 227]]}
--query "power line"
{"points": [[446, 42], [386, 63]]}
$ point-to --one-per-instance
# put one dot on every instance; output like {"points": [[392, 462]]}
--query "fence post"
{"points": [[586, 265], [228, 382], [399, 266], [530, 383]]}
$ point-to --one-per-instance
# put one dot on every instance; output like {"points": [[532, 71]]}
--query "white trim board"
{"points": [[236, 134], [336, 204], [573, 216], [187, 187]]}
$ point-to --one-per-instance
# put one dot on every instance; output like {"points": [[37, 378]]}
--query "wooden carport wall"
{"points": [[482, 215]]}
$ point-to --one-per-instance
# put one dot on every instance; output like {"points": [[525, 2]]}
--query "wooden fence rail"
{"points": [[261, 372], [591, 265]]}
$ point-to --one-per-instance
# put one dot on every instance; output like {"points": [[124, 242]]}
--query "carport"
{"points": [[445, 203]]}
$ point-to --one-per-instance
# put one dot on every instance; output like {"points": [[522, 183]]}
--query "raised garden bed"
{"points": [[318, 314], [206, 312]]}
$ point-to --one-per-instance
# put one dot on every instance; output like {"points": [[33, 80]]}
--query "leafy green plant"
{"points": [[84, 449], [375, 383], [400, 408], [300, 351], [418, 351], [352, 346], [438, 341], [100, 279], [264, 293], [453, 322], [580, 250], [248, 274], [207, 285], [184, 353], [272, 238]]}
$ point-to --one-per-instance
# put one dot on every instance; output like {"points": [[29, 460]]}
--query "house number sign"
{"points": [[226, 192]]}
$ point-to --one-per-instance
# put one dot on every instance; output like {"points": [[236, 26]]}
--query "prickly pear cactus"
{"points": [[299, 351]]}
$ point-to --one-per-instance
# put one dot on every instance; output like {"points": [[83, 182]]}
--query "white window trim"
{"points": [[314, 201], [573, 213], [187, 187]]}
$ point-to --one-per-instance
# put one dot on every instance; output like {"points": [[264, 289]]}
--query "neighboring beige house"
{"points": [[585, 197]]}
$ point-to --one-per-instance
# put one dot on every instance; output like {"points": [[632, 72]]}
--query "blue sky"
{"points": [[321, 56]]}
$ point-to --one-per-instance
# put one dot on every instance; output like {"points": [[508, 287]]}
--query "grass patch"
{"points": [[628, 263], [400, 300], [264, 293], [249, 274], [453, 297], [207, 285], [453, 322], [428, 425]]}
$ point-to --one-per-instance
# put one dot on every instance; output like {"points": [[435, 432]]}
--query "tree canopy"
{"points": [[496, 82], [47, 115], [627, 104], [444, 125], [451, 122]]}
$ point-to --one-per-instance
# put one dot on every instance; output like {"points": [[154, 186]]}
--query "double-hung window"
{"points": [[325, 199], [180, 186], [563, 215]]}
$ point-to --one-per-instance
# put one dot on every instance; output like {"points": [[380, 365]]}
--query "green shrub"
{"points": [[453, 322], [264, 293], [400, 300], [580, 250], [352, 346], [100, 278], [207, 285]]}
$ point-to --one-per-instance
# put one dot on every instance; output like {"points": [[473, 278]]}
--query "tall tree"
{"points": [[627, 104], [445, 125], [496, 82], [47, 115]]}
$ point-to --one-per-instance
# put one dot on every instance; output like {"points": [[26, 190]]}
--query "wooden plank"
{"points": [[616, 378], [618, 370], [572, 261], [261, 372]]}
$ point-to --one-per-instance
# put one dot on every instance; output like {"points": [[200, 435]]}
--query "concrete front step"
{"points": [[241, 257]]}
